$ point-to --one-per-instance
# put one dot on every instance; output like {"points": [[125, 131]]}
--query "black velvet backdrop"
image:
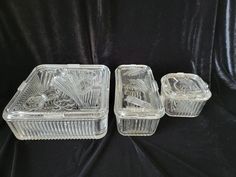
{"points": [[168, 35]]}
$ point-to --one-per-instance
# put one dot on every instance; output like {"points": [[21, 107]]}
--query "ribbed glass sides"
{"points": [[183, 108], [137, 127], [68, 129]]}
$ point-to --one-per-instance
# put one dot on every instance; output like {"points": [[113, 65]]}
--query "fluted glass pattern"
{"points": [[184, 94], [138, 106], [74, 129], [137, 127], [61, 102]]}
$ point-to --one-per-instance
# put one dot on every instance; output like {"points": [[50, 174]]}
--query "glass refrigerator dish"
{"points": [[61, 102], [138, 106], [184, 94]]}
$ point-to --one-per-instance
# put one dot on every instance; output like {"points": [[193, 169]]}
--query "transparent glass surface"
{"points": [[61, 102], [184, 94], [138, 106]]}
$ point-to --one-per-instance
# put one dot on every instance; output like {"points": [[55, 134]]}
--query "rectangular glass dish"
{"points": [[61, 102], [184, 94], [138, 107]]}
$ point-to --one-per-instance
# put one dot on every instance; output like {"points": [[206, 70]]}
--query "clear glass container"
{"points": [[184, 94], [138, 106], [61, 102]]}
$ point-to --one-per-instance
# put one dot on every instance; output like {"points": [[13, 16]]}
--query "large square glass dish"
{"points": [[184, 94], [138, 106], [61, 102]]}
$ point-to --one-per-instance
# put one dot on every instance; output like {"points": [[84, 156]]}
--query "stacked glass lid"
{"points": [[61, 102], [138, 106]]}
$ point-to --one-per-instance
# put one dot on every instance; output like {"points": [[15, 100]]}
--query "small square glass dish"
{"points": [[61, 102], [184, 94], [138, 107]]}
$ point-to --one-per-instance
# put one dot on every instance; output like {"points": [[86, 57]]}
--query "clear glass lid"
{"points": [[62, 91], [185, 86]]}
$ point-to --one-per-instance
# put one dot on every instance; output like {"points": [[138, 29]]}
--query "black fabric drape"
{"points": [[190, 36]]}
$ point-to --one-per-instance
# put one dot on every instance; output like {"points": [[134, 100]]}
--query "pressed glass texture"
{"points": [[61, 102], [184, 94], [138, 106]]}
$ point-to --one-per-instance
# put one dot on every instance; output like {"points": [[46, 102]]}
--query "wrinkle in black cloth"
{"points": [[170, 36], [225, 60]]}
